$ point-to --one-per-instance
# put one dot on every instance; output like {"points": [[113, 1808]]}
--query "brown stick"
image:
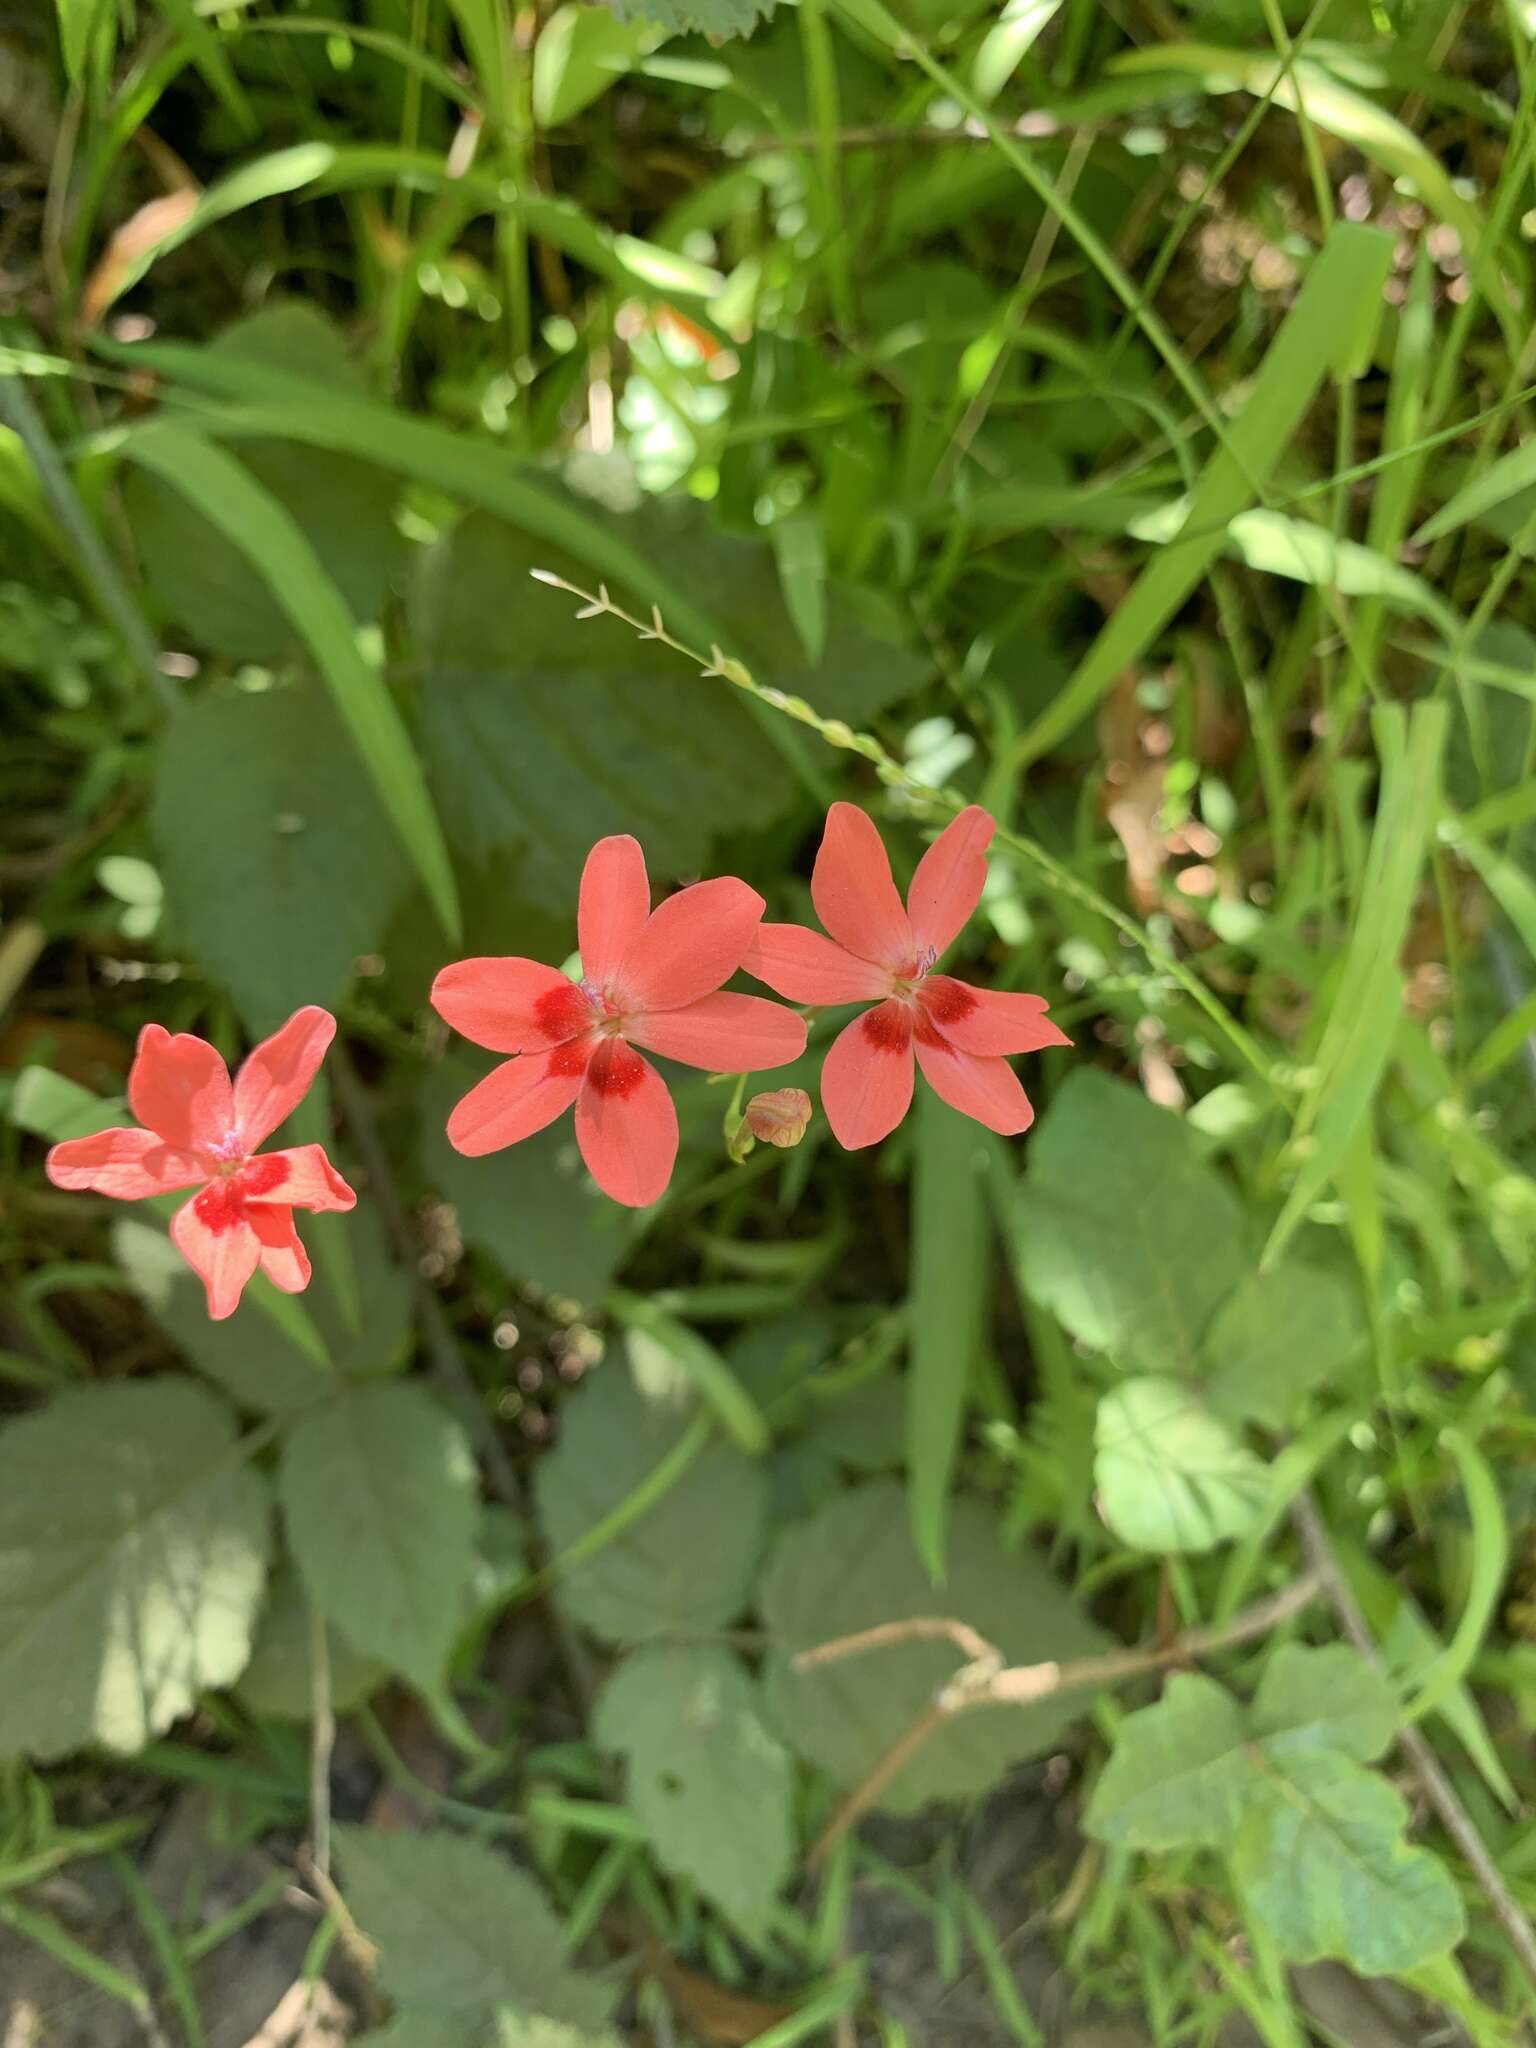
{"points": [[987, 1682], [1414, 1744], [976, 1648]]}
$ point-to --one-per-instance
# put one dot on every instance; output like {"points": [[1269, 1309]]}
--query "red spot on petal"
{"points": [[946, 1000], [219, 1207], [562, 1013], [572, 1057], [616, 1069], [259, 1176], [888, 1027]]}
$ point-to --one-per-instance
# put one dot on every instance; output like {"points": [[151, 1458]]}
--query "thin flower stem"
{"points": [[838, 734], [322, 1742]]}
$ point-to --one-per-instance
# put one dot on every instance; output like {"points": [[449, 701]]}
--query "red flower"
{"points": [[201, 1128], [884, 954], [649, 978]]}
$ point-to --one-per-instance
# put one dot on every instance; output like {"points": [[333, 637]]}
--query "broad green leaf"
{"points": [[843, 1716], [801, 550], [1323, 1699], [718, 19], [713, 1787], [1178, 1773], [232, 501], [1315, 1840], [379, 1500], [1344, 278], [133, 1553], [533, 1207], [278, 1681], [260, 803], [950, 1282], [1171, 1477], [1123, 1231], [1324, 1866], [1281, 1334], [255, 1362], [683, 1564], [542, 732], [460, 1930]]}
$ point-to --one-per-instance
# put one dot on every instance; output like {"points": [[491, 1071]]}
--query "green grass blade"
{"points": [[951, 1266], [1490, 1567], [1366, 1009], [1501, 481], [167, 1949], [231, 500], [274, 402], [738, 1414], [1346, 277]]}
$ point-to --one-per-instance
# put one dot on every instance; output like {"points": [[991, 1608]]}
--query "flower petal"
{"points": [[691, 943], [853, 892], [510, 1004], [986, 1089], [626, 1125], [125, 1164], [517, 1098], [300, 1178], [283, 1257], [179, 1087], [615, 902], [277, 1073], [809, 968], [987, 1021], [949, 880], [223, 1254], [726, 1034], [866, 1081]]}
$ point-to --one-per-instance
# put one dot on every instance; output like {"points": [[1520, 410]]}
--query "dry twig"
{"points": [[986, 1681]]}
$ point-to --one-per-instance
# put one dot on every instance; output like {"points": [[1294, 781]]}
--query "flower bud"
{"points": [[779, 1116]]}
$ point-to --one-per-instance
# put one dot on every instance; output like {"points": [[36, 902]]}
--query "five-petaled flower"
{"points": [[649, 977], [884, 954], [202, 1130]]}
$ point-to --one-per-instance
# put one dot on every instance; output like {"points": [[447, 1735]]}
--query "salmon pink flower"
{"points": [[649, 977], [884, 954], [202, 1130]]}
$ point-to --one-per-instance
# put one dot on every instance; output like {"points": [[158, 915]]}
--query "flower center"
{"points": [[906, 981]]}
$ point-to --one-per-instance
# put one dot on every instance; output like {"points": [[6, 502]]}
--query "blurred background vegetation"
{"points": [[1111, 411]]}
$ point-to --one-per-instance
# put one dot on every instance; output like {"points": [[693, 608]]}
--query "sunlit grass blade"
{"points": [[234, 503], [1345, 281]]}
